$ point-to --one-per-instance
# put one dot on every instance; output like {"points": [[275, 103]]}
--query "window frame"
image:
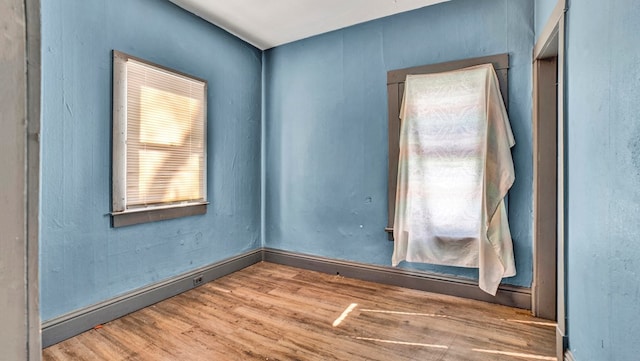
{"points": [[121, 213], [395, 92]]}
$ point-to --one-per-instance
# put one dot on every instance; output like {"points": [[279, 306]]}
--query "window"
{"points": [[395, 91], [159, 142]]}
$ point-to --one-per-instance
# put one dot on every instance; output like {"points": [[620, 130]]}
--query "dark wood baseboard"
{"points": [[74, 323], [513, 296]]}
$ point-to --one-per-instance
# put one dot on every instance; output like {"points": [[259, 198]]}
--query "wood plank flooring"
{"points": [[274, 312]]}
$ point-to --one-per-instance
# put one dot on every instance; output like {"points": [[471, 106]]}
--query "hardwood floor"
{"points": [[274, 312]]}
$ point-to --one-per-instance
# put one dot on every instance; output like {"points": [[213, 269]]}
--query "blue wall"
{"points": [[543, 10], [83, 260], [326, 137], [603, 124], [326, 125]]}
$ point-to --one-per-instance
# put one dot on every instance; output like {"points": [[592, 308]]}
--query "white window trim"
{"points": [[121, 215]]}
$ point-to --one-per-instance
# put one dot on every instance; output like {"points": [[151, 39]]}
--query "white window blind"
{"points": [[159, 136]]}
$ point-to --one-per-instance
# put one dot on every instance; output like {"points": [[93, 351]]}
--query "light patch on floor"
{"points": [[516, 354], [344, 314], [352, 306], [401, 342], [538, 323], [405, 313]]}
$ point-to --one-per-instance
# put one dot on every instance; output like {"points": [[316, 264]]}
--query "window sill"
{"points": [[128, 218]]}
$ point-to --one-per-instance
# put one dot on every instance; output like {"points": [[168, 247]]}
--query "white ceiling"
{"points": [[269, 23]]}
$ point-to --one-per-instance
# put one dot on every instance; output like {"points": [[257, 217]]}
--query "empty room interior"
{"points": [[318, 180]]}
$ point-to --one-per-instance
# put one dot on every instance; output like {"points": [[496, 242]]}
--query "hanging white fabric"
{"points": [[454, 170]]}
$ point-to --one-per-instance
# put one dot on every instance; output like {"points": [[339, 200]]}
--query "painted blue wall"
{"points": [[326, 125], [543, 10], [83, 260], [603, 124]]}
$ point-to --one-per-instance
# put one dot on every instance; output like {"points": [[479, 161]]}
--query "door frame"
{"points": [[545, 170], [549, 53], [20, 159]]}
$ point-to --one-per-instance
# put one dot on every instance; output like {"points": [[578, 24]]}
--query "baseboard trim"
{"points": [[513, 296], [562, 346], [74, 323]]}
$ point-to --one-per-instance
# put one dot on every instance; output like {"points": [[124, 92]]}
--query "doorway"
{"points": [[548, 289], [545, 171]]}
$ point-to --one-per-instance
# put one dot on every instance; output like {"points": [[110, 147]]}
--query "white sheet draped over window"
{"points": [[454, 170]]}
